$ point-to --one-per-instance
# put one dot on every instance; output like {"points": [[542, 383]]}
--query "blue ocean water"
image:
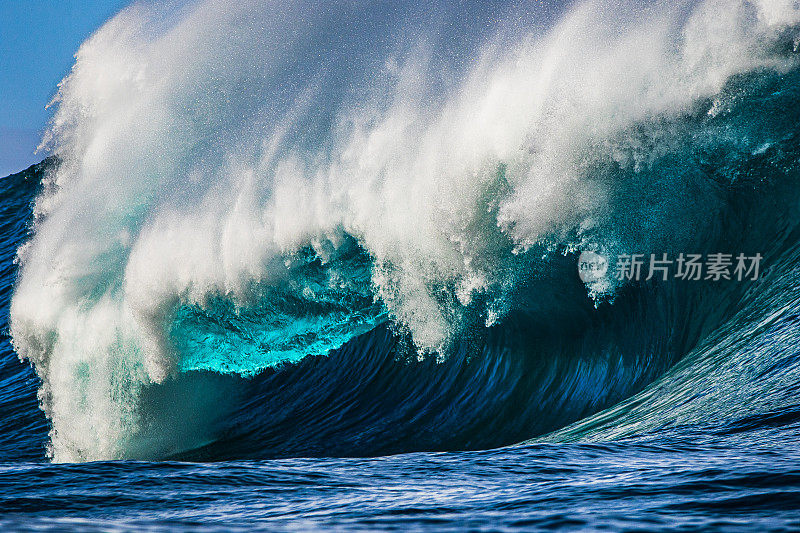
{"points": [[671, 484], [357, 306]]}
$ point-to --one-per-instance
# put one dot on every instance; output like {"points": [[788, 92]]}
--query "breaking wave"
{"points": [[267, 231]]}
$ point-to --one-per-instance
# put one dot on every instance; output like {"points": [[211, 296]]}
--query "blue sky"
{"points": [[38, 39]]}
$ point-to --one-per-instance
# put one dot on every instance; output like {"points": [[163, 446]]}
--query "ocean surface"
{"points": [[301, 267]]}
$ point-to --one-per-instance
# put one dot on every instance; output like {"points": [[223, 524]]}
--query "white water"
{"points": [[202, 144]]}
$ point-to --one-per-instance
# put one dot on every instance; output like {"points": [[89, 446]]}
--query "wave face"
{"points": [[24, 425], [268, 233]]}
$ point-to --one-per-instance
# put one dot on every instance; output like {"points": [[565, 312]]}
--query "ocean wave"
{"points": [[263, 240]]}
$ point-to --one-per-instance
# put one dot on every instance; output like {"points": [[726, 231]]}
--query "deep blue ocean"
{"points": [[281, 274]]}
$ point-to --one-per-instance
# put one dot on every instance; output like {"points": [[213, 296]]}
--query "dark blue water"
{"points": [[308, 403], [744, 483]]}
